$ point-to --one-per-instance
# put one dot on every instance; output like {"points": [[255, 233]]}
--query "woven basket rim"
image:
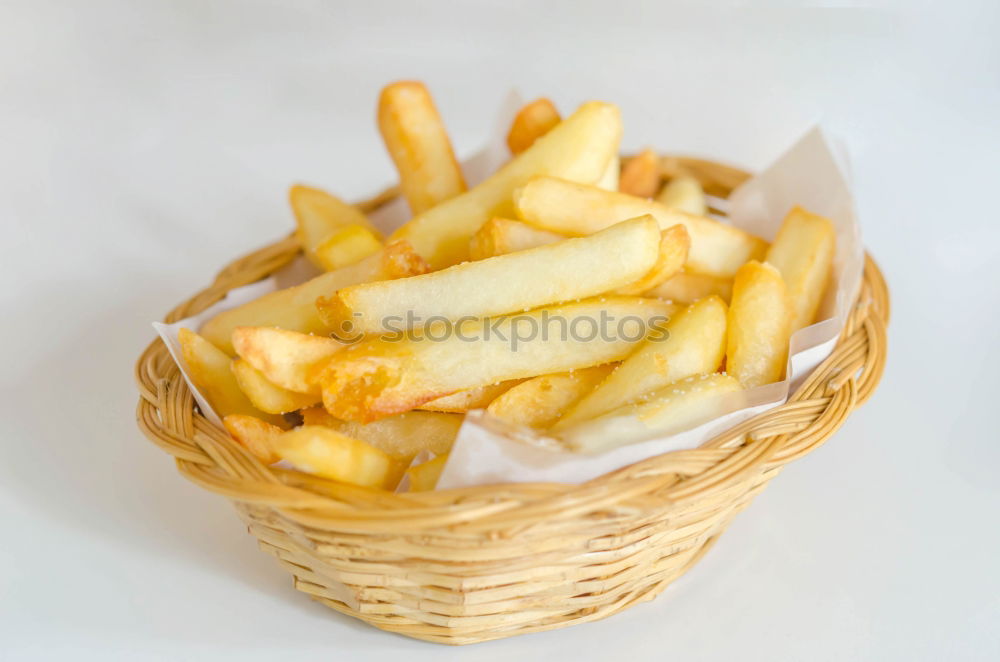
{"points": [[205, 454]]}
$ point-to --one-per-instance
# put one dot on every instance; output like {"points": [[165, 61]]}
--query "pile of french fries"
{"points": [[311, 376]]}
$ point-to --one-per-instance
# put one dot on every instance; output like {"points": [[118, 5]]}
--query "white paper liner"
{"points": [[813, 173]]}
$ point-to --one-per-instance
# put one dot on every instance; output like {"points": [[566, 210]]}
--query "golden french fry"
{"points": [[471, 398], [346, 246], [255, 435], [403, 435], [424, 476], [759, 326], [677, 407], [570, 208], [609, 180], [540, 401], [418, 144], [674, 245], [294, 308], [323, 451], [578, 149], [378, 378], [684, 193], [686, 288], [289, 359], [564, 271], [265, 395], [533, 121], [803, 253], [209, 369], [318, 215], [695, 343], [500, 236], [641, 175]]}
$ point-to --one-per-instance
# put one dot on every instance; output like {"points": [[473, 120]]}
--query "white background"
{"points": [[145, 144]]}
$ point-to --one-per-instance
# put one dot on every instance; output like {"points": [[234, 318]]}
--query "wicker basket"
{"points": [[473, 564]]}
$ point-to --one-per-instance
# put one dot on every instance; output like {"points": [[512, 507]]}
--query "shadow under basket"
{"points": [[467, 565]]}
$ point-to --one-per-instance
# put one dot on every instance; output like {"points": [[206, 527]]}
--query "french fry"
{"points": [[570, 208], [564, 271], [418, 144], [674, 245], [294, 308], [803, 253], [265, 395], [695, 343], [677, 407], [318, 215], [325, 452], [471, 398], [686, 288], [346, 246], [403, 435], [684, 193], [641, 175], [287, 358], [378, 378], [539, 402], [500, 236], [424, 476], [255, 435], [209, 369], [578, 149], [759, 326], [609, 180], [533, 121]]}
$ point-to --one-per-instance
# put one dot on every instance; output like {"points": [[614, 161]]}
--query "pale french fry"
{"points": [[578, 149], [403, 435], [684, 193], [265, 395], [424, 476], [641, 175], [569, 208], [318, 215], [674, 245], [803, 253], [686, 288], [695, 343], [209, 369], [759, 326], [289, 359], [346, 246], [564, 271], [255, 435], [500, 236], [418, 144], [540, 401], [677, 407], [533, 121], [378, 378], [471, 398], [609, 180], [294, 308], [323, 451]]}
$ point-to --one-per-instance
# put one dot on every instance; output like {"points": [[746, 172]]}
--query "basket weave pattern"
{"points": [[473, 564]]}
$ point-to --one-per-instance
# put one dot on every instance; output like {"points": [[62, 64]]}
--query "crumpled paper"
{"points": [[812, 173]]}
